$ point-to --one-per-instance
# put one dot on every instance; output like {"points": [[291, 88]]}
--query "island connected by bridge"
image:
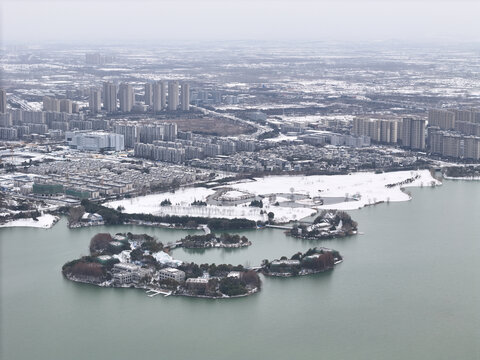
{"points": [[141, 261]]}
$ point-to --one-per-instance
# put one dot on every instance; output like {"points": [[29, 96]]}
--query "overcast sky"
{"points": [[116, 21]]}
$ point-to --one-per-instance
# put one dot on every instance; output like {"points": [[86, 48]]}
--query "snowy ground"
{"points": [[368, 188], [45, 221]]}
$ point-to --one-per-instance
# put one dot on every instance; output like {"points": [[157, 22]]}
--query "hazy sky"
{"points": [[101, 21]]}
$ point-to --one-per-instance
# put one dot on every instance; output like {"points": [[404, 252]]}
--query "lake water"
{"points": [[409, 288]]}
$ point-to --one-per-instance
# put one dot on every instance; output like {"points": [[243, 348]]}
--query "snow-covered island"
{"points": [[328, 225], [313, 261], [288, 198], [140, 261], [213, 241]]}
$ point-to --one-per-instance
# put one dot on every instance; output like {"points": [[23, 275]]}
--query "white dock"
{"points": [[152, 293]]}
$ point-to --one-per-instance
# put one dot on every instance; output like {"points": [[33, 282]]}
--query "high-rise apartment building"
{"points": [[452, 145], [463, 115], [385, 131], [185, 97], [66, 106], [163, 94], [126, 97], [154, 132], [467, 128], [109, 96], [95, 101], [129, 132], [413, 133], [173, 95], [3, 101], [472, 147], [435, 140], [6, 120], [170, 132], [159, 96], [444, 119], [148, 94], [51, 104], [389, 131]]}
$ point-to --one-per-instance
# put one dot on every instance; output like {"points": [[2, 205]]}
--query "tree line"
{"points": [[115, 217]]}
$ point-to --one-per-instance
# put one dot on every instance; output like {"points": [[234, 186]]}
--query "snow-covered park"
{"points": [[45, 221], [288, 197]]}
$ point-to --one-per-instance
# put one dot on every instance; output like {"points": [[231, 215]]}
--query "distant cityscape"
{"points": [[183, 130]]}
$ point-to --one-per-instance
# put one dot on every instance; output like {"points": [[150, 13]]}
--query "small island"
{"points": [[328, 225], [212, 241], [313, 261], [139, 261]]}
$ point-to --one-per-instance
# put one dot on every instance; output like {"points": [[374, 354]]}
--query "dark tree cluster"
{"points": [[191, 270], [257, 203], [232, 286], [462, 171], [100, 242], [166, 202], [201, 241], [114, 217], [404, 182], [87, 268]]}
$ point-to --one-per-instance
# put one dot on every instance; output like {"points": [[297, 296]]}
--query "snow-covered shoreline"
{"points": [[466, 178], [45, 221], [288, 197]]}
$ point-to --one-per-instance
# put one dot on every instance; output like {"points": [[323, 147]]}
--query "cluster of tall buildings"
{"points": [[145, 133], [60, 105], [378, 130], [409, 132], [465, 122], [156, 97], [452, 119], [454, 133], [454, 145], [17, 124]]}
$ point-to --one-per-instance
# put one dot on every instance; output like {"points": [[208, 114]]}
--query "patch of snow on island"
{"points": [[124, 256], [165, 259], [45, 221], [150, 204]]}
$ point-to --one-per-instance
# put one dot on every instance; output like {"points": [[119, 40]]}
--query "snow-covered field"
{"points": [[45, 221], [367, 188]]}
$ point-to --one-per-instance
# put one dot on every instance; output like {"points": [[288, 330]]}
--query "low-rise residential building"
{"points": [[171, 274], [196, 283]]}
